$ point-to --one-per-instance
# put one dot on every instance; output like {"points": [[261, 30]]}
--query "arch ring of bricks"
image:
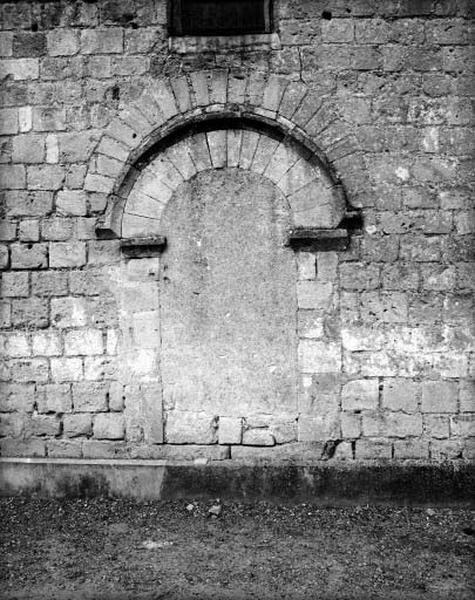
{"points": [[137, 190]]}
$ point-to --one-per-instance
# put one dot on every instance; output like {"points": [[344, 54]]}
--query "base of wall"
{"points": [[383, 483]]}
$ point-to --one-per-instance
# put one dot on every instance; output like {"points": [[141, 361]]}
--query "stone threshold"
{"points": [[327, 484]]}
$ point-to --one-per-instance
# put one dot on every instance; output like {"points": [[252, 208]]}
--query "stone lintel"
{"points": [[143, 247], [312, 238], [198, 43]]}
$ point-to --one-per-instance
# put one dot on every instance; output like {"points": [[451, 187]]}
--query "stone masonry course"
{"points": [[106, 128]]}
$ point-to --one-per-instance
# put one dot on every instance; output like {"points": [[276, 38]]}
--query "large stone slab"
{"points": [[228, 298]]}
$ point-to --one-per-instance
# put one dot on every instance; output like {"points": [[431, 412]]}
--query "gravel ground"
{"points": [[120, 549]]}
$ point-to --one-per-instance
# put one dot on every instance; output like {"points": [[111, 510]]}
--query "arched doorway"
{"points": [[227, 353]]}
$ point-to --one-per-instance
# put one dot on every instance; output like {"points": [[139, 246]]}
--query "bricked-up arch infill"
{"points": [[312, 197], [296, 111]]}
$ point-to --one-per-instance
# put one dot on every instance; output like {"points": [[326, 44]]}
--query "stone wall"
{"points": [[376, 95]]}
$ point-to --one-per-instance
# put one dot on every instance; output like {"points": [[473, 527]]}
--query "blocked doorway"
{"points": [[227, 298]]}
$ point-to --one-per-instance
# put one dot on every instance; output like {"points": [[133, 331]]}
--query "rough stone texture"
{"points": [[109, 427], [380, 336], [223, 338], [360, 394], [190, 428], [230, 430]]}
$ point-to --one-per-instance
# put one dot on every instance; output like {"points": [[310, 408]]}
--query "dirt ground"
{"points": [[120, 549]]}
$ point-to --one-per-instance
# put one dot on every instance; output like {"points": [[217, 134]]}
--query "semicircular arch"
{"points": [[286, 119], [313, 198]]}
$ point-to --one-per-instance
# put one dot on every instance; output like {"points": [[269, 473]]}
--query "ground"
{"points": [[120, 549]]}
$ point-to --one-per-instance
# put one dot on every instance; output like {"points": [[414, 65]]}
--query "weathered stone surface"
{"points": [[315, 295], [84, 342], [56, 228], [30, 312], [361, 394], [320, 428], [467, 396], [15, 285], [49, 283], [90, 396], [30, 231], [28, 370], [102, 41], [16, 397], [64, 449], [43, 425], [284, 431], [68, 312], [357, 276], [22, 448], [439, 396], [17, 345], [416, 449], [373, 449], [381, 331], [319, 357], [436, 426], [4, 257], [67, 254], [391, 424], [71, 202], [144, 402], [350, 425], [463, 425], [258, 437], [400, 394], [77, 425], [66, 369], [29, 256], [54, 398], [62, 42], [28, 149], [234, 338], [310, 324], [109, 426], [190, 428]]}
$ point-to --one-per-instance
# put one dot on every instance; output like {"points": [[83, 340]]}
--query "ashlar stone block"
{"points": [[84, 342], [30, 312], [17, 397], [319, 357], [360, 394], [258, 437], [17, 345], [439, 397], [109, 426], [54, 397], [68, 312], [77, 425], [400, 394], [314, 295], [15, 284], [90, 397], [190, 428], [44, 425], [306, 264], [28, 370], [66, 369], [102, 41], [319, 428], [350, 425], [29, 256], [67, 254]]}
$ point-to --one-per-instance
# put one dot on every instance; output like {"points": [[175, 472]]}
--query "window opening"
{"points": [[219, 17]]}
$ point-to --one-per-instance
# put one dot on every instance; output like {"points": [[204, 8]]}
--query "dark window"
{"points": [[219, 17]]}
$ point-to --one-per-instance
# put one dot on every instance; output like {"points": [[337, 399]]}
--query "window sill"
{"points": [[213, 43]]}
